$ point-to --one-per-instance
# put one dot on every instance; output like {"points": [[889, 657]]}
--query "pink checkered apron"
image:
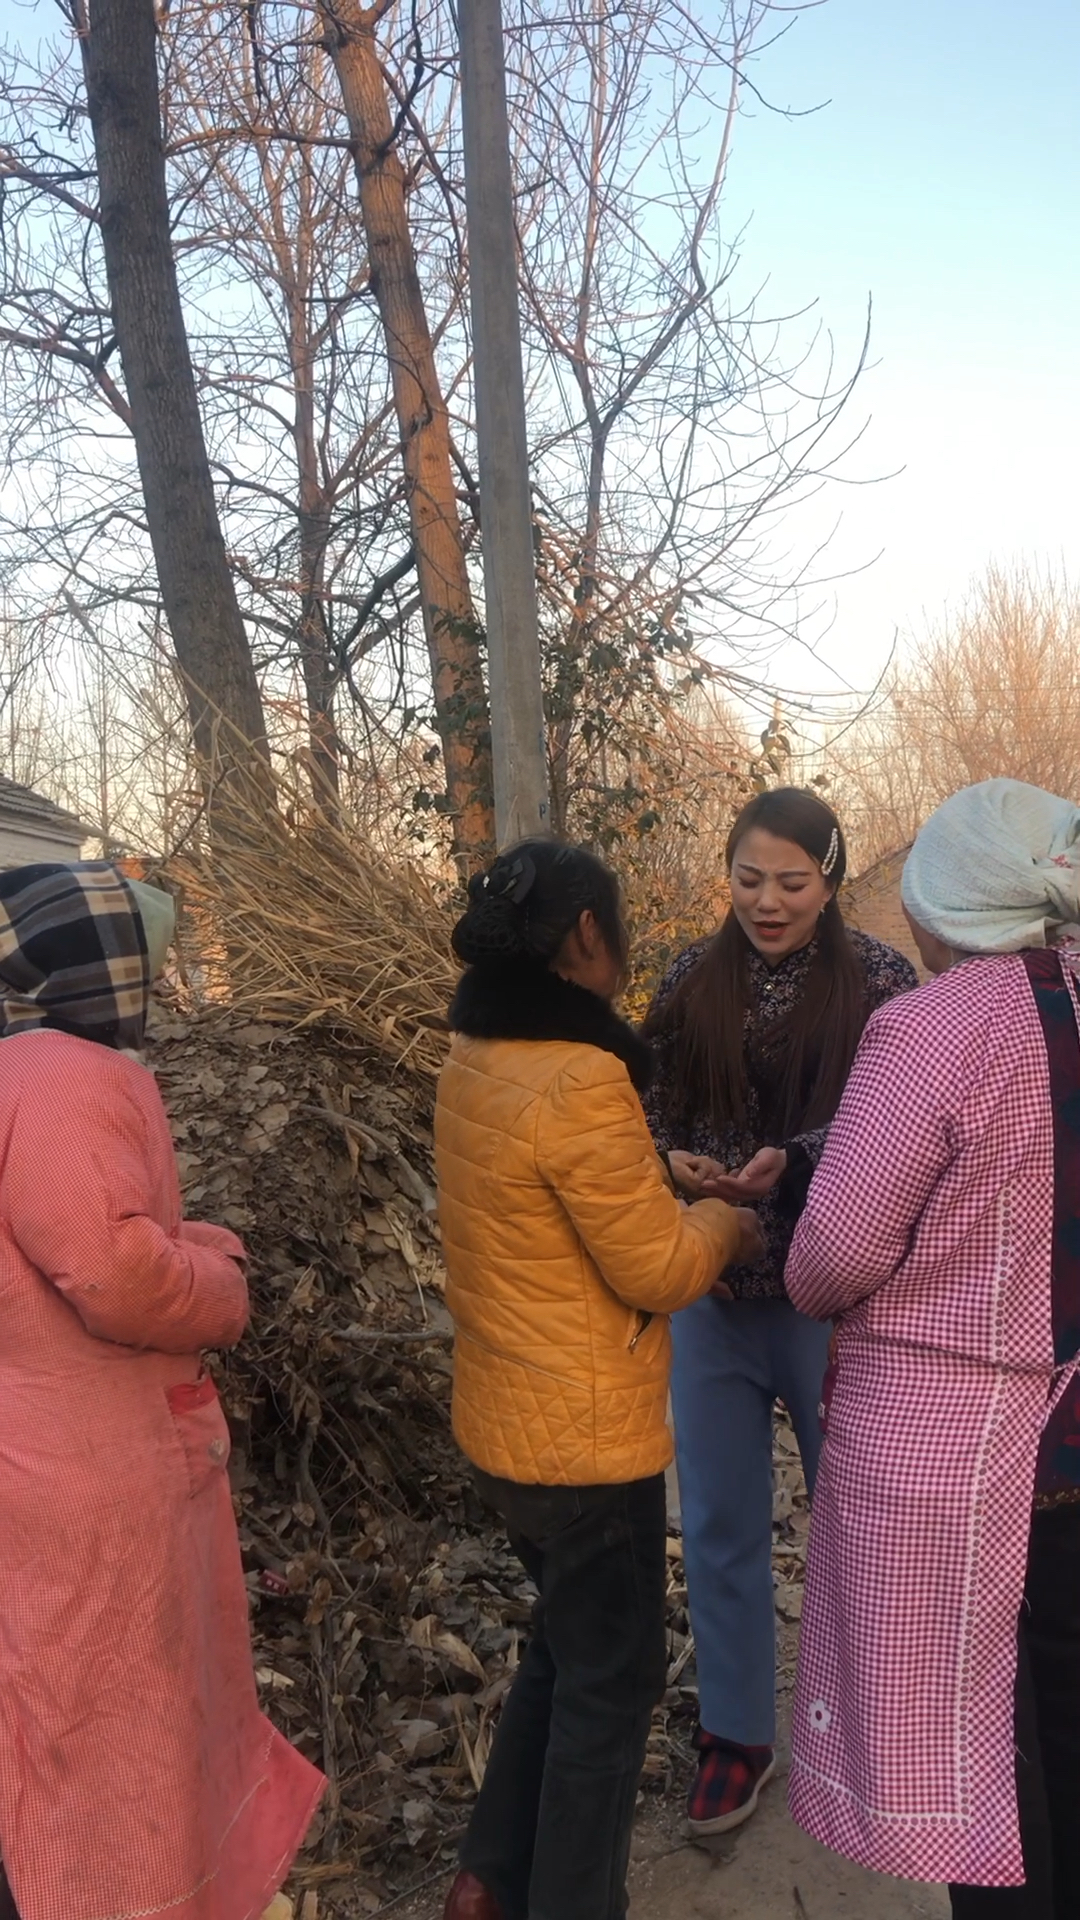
{"points": [[928, 1231]]}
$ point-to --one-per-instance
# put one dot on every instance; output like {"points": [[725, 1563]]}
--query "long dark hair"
{"points": [[533, 895], [801, 1060]]}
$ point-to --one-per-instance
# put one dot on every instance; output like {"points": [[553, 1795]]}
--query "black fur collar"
{"points": [[521, 1000]]}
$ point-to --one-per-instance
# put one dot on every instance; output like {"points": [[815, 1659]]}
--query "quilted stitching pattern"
{"points": [[560, 1236]]}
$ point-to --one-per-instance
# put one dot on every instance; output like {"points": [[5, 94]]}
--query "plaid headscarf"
{"points": [[73, 953]]}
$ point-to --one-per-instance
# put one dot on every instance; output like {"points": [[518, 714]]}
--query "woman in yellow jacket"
{"points": [[566, 1249]]}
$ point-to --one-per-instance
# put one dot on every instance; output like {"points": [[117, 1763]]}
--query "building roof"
{"points": [[21, 806]]}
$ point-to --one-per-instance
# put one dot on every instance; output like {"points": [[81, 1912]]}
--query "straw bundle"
{"points": [[304, 924]]}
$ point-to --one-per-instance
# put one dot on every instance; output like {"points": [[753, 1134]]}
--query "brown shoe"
{"points": [[468, 1899]]}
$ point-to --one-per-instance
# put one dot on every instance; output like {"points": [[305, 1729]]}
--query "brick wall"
{"points": [[872, 903]]}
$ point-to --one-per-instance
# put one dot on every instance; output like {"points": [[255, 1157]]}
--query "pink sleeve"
{"points": [[202, 1233], [887, 1148], [78, 1188]]}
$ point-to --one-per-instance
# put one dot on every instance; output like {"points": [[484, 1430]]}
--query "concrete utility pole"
{"points": [[517, 713]]}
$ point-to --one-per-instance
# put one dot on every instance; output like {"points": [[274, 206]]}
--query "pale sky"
{"points": [[943, 178]]}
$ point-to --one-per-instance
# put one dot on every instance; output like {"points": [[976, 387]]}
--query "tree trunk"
{"points": [[314, 522], [120, 66], [314, 642], [570, 675], [450, 624]]}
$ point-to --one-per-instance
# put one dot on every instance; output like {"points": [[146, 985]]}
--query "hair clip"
{"points": [[833, 854], [511, 880], [524, 880]]}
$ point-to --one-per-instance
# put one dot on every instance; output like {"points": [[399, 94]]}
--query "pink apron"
{"points": [[928, 1230]]}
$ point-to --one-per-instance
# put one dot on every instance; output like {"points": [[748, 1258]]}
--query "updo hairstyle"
{"points": [[530, 898]]}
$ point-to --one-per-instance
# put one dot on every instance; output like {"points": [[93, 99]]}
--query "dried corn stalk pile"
{"points": [[305, 924]]}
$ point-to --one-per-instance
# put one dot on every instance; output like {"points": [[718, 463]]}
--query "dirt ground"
{"points": [[769, 1871], [772, 1873]]}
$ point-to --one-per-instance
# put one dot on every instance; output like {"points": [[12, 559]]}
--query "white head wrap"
{"points": [[158, 914], [997, 869]]}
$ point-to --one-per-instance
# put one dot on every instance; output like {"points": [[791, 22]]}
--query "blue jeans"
{"points": [[733, 1360]]}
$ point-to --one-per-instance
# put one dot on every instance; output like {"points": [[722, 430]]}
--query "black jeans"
{"points": [[8, 1909], [550, 1833], [1047, 1734]]}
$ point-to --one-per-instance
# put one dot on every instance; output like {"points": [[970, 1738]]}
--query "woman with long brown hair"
{"points": [[755, 1030]]}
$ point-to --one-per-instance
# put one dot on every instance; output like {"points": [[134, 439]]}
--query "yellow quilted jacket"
{"points": [[565, 1251]]}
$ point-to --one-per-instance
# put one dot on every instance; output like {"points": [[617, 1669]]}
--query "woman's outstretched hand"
{"points": [[752, 1182], [690, 1171]]}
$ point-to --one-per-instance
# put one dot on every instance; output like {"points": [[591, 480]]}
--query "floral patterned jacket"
{"points": [[774, 992]]}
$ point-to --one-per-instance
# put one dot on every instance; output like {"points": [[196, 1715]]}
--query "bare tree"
{"points": [[118, 43], [306, 461], [994, 689], [292, 393], [450, 623], [670, 429]]}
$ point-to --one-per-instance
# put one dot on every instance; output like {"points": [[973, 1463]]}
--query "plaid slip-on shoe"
{"points": [[728, 1784]]}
